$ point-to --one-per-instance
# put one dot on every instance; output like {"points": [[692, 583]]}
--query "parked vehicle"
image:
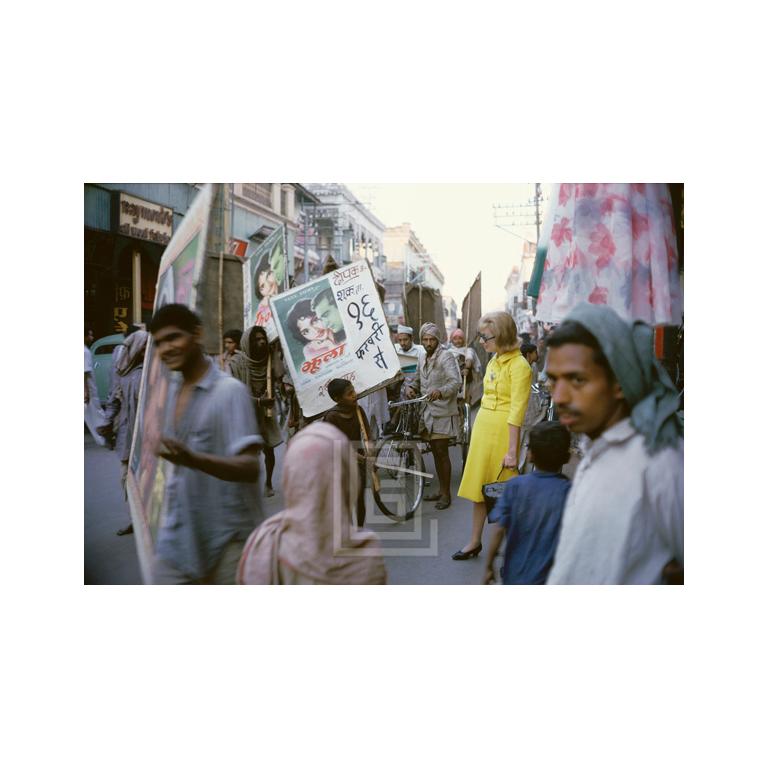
{"points": [[102, 350]]}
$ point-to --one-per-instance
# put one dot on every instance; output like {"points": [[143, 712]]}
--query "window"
{"points": [[259, 193]]}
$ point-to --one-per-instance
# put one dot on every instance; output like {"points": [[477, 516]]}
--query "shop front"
{"points": [[124, 239]]}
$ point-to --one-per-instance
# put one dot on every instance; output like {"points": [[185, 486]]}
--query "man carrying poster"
{"points": [[334, 328], [209, 436], [177, 282]]}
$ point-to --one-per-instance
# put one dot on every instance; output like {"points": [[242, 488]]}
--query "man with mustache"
{"points": [[623, 520]]}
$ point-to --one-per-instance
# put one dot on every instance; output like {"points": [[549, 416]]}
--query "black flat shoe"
{"points": [[467, 555], [443, 504], [125, 531]]}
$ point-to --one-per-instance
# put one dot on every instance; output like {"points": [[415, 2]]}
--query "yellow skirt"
{"points": [[487, 449]]}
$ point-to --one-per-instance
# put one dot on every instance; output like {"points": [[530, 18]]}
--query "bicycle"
{"points": [[465, 432], [465, 420], [400, 463]]}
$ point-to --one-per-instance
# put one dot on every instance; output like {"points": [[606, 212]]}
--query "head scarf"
{"points": [[645, 383], [319, 482], [429, 329], [251, 372], [405, 329], [133, 355], [458, 333]]}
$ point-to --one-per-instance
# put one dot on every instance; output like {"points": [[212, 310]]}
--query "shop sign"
{"points": [[145, 221]]}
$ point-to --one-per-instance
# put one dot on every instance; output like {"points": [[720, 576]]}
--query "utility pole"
{"points": [[537, 196], [510, 217]]}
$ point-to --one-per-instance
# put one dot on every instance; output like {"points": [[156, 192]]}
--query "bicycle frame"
{"points": [[408, 418]]}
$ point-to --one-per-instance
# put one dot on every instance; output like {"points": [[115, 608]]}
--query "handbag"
{"points": [[492, 492]]}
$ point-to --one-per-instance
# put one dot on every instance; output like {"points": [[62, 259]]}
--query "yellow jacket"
{"points": [[507, 386]]}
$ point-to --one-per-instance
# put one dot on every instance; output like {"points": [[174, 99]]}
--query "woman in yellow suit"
{"points": [[496, 432]]}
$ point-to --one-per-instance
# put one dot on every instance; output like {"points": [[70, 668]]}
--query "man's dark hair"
{"points": [[550, 444], [526, 349], [234, 334], [571, 332], [327, 294], [525, 338], [175, 314], [300, 309]]}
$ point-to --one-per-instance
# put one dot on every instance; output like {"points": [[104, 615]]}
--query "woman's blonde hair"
{"points": [[504, 329]]}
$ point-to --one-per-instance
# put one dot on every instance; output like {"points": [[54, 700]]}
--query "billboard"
{"points": [[265, 274], [177, 283], [334, 327]]}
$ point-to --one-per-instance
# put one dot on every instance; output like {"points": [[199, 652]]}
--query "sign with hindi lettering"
{"points": [[334, 328]]}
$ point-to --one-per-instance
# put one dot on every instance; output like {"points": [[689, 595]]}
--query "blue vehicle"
{"points": [[102, 350]]}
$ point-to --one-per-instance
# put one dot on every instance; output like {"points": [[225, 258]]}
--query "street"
{"points": [[424, 545]]}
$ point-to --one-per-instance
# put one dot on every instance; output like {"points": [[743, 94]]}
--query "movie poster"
{"points": [[265, 274], [334, 328], [177, 282]]}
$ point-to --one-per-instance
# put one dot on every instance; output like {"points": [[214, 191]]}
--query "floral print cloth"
{"points": [[611, 244]]}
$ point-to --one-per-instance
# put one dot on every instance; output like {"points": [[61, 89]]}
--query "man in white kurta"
{"points": [[623, 520]]}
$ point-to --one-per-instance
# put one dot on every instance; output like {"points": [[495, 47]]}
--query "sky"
{"points": [[455, 223]]}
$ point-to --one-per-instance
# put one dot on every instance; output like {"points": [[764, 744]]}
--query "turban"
{"points": [[405, 329], [651, 395], [429, 329], [133, 354], [458, 333]]}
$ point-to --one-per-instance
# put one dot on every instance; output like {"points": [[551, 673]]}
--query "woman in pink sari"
{"points": [[313, 541]]}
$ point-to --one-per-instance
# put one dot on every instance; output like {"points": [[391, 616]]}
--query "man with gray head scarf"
{"points": [[258, 366], [623, 521], [439, 379], [124, 401]]}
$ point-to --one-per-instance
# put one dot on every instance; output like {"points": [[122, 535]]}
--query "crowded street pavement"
{"points": [[112, 559]]}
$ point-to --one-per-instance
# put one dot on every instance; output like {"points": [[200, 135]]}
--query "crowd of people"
{"points": [[618, 521]]}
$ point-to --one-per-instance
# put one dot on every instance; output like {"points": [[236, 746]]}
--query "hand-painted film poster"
{"points": [[334, 328], [178, 278], [265, 274]]}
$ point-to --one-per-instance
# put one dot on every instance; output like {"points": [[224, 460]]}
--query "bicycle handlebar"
{"points": [[393, 404]]}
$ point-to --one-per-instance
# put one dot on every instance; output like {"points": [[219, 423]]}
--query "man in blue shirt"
{"points": [[210, 436], [530, 510]]}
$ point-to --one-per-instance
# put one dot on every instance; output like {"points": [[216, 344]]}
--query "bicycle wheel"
{"points": [[467, 434], [401, 473]]}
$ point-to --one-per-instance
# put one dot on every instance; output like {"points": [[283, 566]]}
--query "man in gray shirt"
{"points": [[210, 437]]}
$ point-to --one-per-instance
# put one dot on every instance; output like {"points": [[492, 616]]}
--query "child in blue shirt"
{"points": [[530, 510]]}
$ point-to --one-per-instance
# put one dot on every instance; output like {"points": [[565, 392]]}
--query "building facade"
{"points": [[127, 227], [344, 230], [517, 301], [407, 263]]}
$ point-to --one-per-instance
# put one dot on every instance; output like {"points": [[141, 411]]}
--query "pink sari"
{"points": [[312, 540]]}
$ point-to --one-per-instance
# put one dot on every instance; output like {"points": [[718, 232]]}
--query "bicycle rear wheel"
{"points": [[401, 473], [466, 434]]}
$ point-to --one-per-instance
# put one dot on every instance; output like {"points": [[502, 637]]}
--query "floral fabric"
{"points": [[611, 244]]}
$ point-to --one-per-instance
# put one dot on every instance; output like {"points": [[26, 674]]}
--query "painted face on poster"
{"points": [[334, 327]]}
